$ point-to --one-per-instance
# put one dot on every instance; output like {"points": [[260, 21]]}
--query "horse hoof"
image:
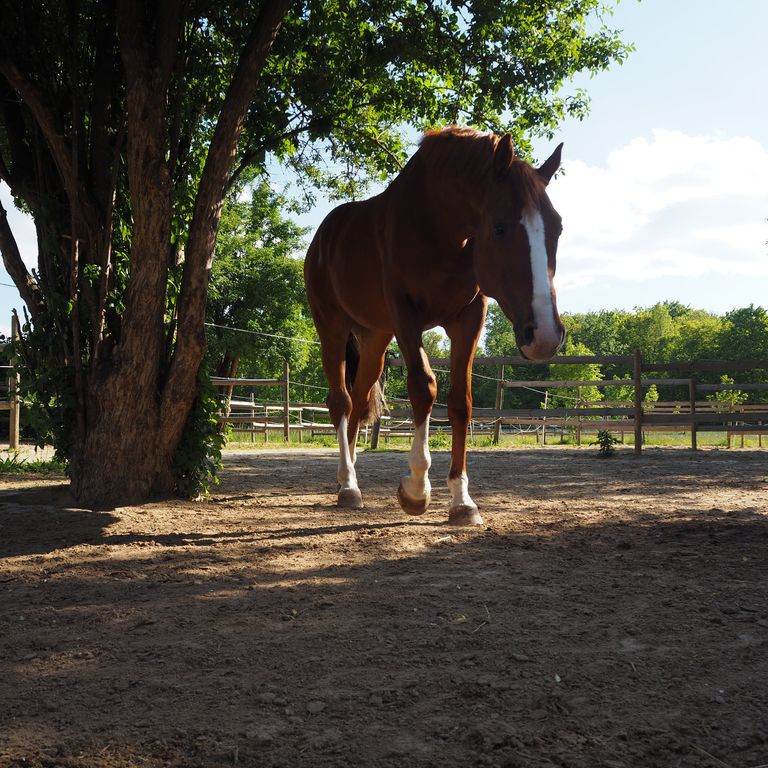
{"points": [[412, 506], [464, 515], [350, 498]]}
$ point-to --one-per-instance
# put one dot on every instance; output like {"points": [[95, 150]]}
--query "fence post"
{"points": [[376, 428], [286, 403], [638, 364], [578, 417], [13, 393], [499, 404], [692, 397]]}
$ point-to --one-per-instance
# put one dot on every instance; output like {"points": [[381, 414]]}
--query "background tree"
{"points": [[744, 335], [257, 286], [728, 398], [123, 124], [499, 341], [575, 397]]}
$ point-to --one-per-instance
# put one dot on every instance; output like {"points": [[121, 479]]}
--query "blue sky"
{"points": [[664, 194]]}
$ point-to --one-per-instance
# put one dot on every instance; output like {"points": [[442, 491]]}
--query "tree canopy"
{"points": [[665, 332], [124, 124]]}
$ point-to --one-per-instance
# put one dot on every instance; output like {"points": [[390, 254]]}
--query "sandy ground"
{"points": [[610, 613]]}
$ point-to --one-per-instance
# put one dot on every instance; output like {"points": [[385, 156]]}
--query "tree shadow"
{"points": [[630, 643], [39, 520], [289, 635]]}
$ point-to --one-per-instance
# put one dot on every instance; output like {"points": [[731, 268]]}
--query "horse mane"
{"points": [[458, 150], [467, 153]]}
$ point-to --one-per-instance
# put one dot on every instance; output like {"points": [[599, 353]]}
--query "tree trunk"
{"points": [[123, 457], [124, 394]]}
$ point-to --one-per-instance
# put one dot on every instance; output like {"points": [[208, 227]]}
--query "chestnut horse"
{"points": [[463, 221]]}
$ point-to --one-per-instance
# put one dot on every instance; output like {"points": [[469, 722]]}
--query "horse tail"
{"points": [[376, 404]]}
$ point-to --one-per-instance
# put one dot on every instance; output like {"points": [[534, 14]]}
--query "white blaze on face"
{"points": [[543, 309]]}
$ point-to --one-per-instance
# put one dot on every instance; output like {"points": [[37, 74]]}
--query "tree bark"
{"points": [[15, 267], [133, 400], [190, 343]]}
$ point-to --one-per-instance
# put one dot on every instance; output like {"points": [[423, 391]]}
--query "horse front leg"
{"points": [[464, 334], [415, 490]]}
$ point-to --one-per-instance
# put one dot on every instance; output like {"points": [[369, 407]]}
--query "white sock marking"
{"points": [[458, 486], [417, 485], [346, 474]]}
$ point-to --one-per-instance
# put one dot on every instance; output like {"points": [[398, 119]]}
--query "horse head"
{"points": [[516, 246]]}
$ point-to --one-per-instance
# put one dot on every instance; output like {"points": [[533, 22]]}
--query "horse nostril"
{"points": [[528, 333]]}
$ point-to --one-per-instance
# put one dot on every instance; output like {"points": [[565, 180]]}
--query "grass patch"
{"points": [[441, 440], [15, 464]]}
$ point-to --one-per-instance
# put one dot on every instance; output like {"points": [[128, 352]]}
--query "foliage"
{"points": [[120, 134], [15, 464], [439, 441], [499, 341], [198, 460], [606, 443], [728, 398], [257, 285], [574, 397], [651, 395], [620, 393], [347, 76], [664, 332]]}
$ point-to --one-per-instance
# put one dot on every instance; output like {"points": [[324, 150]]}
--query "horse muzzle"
{"points": [[540, 345]]}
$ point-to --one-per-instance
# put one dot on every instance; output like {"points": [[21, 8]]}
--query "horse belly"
{"points": [[360, 290]]}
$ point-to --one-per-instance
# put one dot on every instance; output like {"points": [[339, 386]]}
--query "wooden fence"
{"points": [[9, 398], [692, 415]]}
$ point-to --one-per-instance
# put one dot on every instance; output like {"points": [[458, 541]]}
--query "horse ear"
{"points": [[547, 171], [503, 155]]}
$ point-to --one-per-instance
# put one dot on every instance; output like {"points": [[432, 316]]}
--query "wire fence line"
{"points": [[263, 333], [299, 339]]}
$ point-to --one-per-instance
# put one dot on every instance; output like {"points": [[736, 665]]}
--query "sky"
{"points": [[664, 189]]}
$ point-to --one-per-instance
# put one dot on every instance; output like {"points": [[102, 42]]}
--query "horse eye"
{"points": [[498, 230]]}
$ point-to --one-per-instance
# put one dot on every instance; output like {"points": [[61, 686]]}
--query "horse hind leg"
{"points": [[349, 495], [333, 344], [365, 363]]}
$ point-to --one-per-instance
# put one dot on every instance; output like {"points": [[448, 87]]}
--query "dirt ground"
{"points": [[610, 613]]}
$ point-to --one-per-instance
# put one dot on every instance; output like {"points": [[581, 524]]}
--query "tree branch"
{"points": [[202, 236], [46, 120], [142, 331], [28, 288]]}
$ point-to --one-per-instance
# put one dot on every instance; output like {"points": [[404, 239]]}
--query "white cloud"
{"points": [[675, 205]]}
